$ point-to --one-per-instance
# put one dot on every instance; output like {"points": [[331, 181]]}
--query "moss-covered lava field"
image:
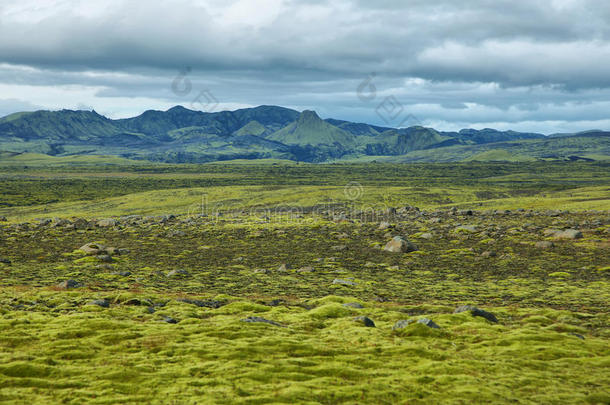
{"points": [[335, 288]]}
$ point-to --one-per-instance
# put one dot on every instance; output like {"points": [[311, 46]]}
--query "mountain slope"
{"points": [[311, 130], [183, 135]]}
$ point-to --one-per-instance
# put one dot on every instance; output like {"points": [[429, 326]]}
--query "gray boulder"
{"points": [[569, 234], [100, 303], [68, 284], [399, 245], [258, 319], [365, 320], [474, 311], [178, 273], [344, 281], [428, 322]]}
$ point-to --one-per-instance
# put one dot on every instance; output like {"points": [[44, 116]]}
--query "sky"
{"points": [[526, 65]]}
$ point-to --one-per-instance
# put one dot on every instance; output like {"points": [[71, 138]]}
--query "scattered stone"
{"points": [[577, 335], [168, 319], [3, 219], [68, 284], [476, 312], [339, 248], [105, 258], [306, 269], [365, 320], [133, 301], [122, 273], [258, 319], [399, 245], [356, 305], [202, 303], [262, 271], [403, 323], [106, 222], [283, 267], [569, 234], [276, 302], [44, 221], [113, 251], [59, 222], [550, 232], [467, 228], [384, 225], [428, 322], [426, 235], [104, 266], [344, 281], [5, 260], [489, 253], [178, 273], [100, 303], [544, 244], [93, 249]]}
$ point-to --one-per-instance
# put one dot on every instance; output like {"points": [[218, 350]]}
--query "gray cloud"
{"points": [[456, 63]]}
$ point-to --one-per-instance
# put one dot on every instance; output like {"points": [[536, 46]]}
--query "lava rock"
{"points": [[467, 228], [353, 305], [283, 267], [403, 323], [344, 281], [399, 245], [569, 234], [476, 312], [68, 284], [384, 225], [544, 244], [428, 322], [365, 320], [202, 303], [100, 303], [178, 273], [105, 258], [106, 222], [93, 249], [258, 319]]}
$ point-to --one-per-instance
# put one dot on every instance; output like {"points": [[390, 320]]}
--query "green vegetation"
{"points": [[180, 135], [154, 311]]}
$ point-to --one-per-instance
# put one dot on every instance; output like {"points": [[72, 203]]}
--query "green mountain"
{"points": [[272, 132], [311, 130]]}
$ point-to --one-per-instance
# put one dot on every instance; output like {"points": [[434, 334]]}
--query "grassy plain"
{"points": [[112, 339]]}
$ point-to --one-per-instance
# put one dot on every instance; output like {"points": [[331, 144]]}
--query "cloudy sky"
{"points": [[530, 65]]}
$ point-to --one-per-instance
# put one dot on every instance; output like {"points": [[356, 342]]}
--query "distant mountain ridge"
{"points": [[183, 135]]}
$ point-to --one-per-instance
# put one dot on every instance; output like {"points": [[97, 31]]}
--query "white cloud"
{"points": [[511, 63]]}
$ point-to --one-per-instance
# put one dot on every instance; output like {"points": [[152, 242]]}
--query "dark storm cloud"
{"points": [[447, 60]]}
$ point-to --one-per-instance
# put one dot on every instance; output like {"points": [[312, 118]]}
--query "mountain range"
{"points": [[183, 135]]}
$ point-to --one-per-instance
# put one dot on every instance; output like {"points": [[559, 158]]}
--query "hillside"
{"points": [[271, 132]]}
